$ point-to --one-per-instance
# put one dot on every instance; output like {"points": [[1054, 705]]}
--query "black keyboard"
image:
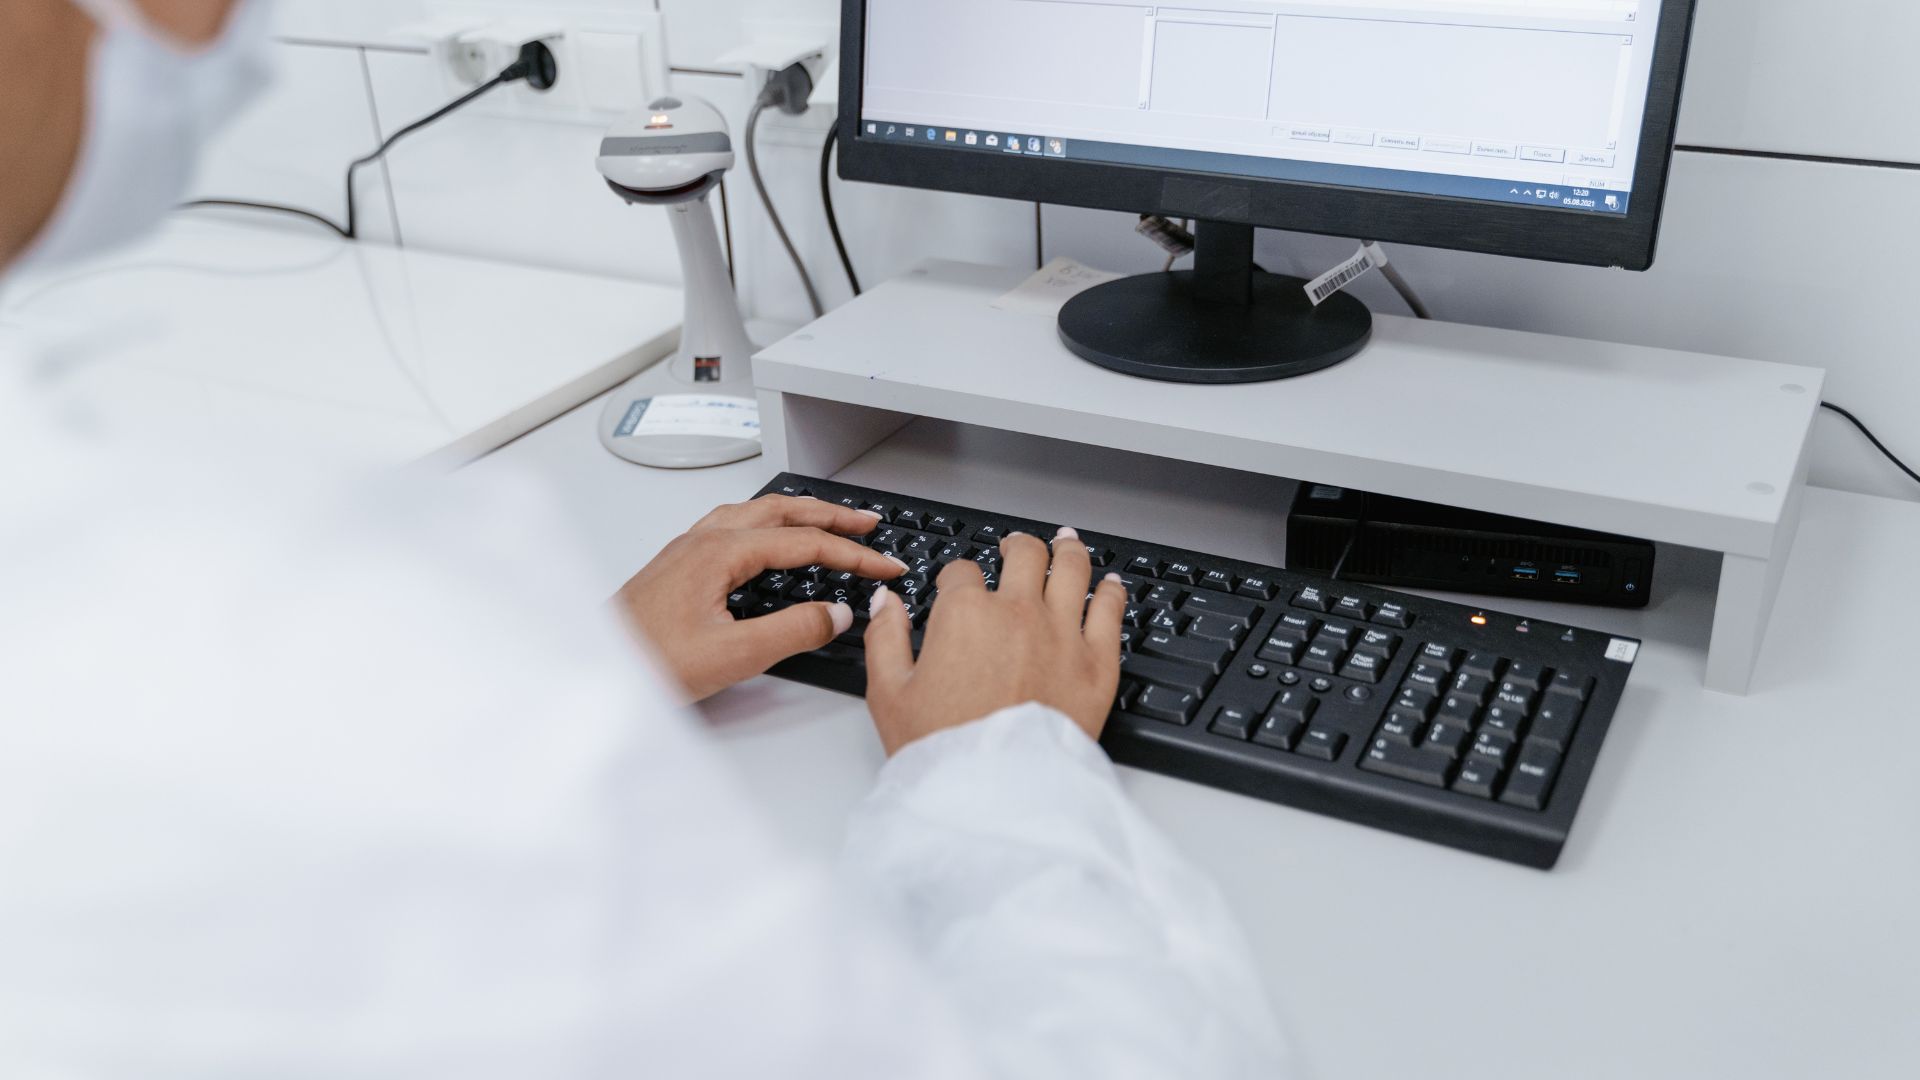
{"points": [[1452, 724]]}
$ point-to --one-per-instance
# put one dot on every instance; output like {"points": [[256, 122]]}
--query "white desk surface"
{"points": [[1741, 894], [390, 355]]}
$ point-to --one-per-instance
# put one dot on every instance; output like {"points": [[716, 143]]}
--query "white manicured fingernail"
{"points": [[879, 601], [874, 514], [1115, 578], [901, 563], [1065, 533], [815, 498], [842, 618]]}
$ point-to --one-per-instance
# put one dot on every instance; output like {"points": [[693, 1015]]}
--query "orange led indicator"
{"points": [[1478, 620]]}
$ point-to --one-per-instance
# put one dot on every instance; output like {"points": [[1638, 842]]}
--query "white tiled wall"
{"points": [[1778, 260]]}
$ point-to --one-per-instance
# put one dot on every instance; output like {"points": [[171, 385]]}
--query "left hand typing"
{"points": [[679, 600]]}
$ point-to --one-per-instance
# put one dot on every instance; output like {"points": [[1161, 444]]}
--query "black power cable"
{"points": [[826, 199], [1877, 444], [535, 64]]}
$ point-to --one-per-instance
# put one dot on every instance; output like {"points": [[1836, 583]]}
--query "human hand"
{"points": [[679, 600], [985, 651]]}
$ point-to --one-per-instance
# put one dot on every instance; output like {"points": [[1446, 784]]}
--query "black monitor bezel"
{"points": [[1566, 236]]}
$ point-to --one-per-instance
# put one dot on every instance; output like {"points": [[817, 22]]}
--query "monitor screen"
{"points": [[1536, 103]]}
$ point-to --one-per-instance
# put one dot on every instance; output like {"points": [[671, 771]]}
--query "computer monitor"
{"points": [[1541, 129]]}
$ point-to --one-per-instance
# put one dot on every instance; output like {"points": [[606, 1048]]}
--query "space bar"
{"points": [[1169, 673]]}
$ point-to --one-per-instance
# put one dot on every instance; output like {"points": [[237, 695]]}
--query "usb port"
{"points": [[1526, 573], [1567, 577]]}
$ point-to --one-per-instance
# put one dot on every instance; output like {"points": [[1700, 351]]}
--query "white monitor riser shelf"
{"points": [[1704, 451]]}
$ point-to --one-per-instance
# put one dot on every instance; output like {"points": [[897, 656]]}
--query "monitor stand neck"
{"points": [[1224, 321]]}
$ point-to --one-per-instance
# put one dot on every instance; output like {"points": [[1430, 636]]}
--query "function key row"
{"points": [[1187, 573]]}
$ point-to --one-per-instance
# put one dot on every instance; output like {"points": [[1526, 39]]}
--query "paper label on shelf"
{"points": [[691, 414], [1369, 258], [1623, 650], [1048, 290]]}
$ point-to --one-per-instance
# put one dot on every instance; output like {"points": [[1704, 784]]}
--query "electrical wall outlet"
{"points": [[612, 59]]}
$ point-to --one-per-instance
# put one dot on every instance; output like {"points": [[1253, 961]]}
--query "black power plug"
{"points": [[536, 65]]}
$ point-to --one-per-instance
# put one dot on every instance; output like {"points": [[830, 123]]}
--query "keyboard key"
{"points": [[1448, 737], [1533, 775], [1294, 626], [1162, 672], [1403, 727], [775, 584], [886, 512], [1146, 566], [1217, 628], [1339, 633], [1459, 710], [1168, 703], [1476, 778], [1217, 580], [1364, 667], [1322, 744], [793, 491], [738, 601], [1294, 704], [1504, 719], [1282, 651], [1484, 665], [1428, 679], [1530, 676], [1378, 643], [1439, 655], [1352, 607], [1233, 723], [1323, 656], [944, 524], [1099, 556], [1133, 615], [1231, 607], [1396, 759], [1163, 596], [1578, 687], [1413, 700], [1257, 587], [1472, 687], [1162, 619], [1492, 747], [911, 519], [920, 546], [1312, 598], [989, 534], [887, 539], [1553, 726], [1279, 730], [1394, 615], [1184, 573], [1124, 697], [1211, 655]]}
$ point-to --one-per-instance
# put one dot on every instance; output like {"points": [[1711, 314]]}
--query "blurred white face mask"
{"points": [[152, 103]]}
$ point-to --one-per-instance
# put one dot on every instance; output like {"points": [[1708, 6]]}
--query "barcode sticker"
{"points": [[1622, 650], [1369, 258]]}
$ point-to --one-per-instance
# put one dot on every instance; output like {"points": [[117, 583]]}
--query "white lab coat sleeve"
{"points": [[1068, 934]]}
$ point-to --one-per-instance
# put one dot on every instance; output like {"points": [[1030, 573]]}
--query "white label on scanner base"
{"points": [[692, 414], [1369, 258], [1622, 650]]}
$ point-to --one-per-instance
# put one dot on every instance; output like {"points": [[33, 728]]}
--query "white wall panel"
{"points": [[1761, 259], [292, 146], [509, 188], [699, 32], [1825, 77]]}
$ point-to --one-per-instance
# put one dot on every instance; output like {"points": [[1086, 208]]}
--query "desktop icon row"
{"points": [[1034, 145]]}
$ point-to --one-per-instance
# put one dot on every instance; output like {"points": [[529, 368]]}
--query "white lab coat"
{"points": [[309, 776]]}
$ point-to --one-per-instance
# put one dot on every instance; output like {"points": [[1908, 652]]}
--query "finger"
{"points": [[1067, 585], [766, 640], [1104, 613], [960, 577], [889, 645], [776, 511], [1025, 571], [751, 551]]}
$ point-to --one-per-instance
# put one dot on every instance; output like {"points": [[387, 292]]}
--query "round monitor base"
{"points": [[1156, 326]]}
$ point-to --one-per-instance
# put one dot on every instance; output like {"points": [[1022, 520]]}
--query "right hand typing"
{"points": [[985, 651]]}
